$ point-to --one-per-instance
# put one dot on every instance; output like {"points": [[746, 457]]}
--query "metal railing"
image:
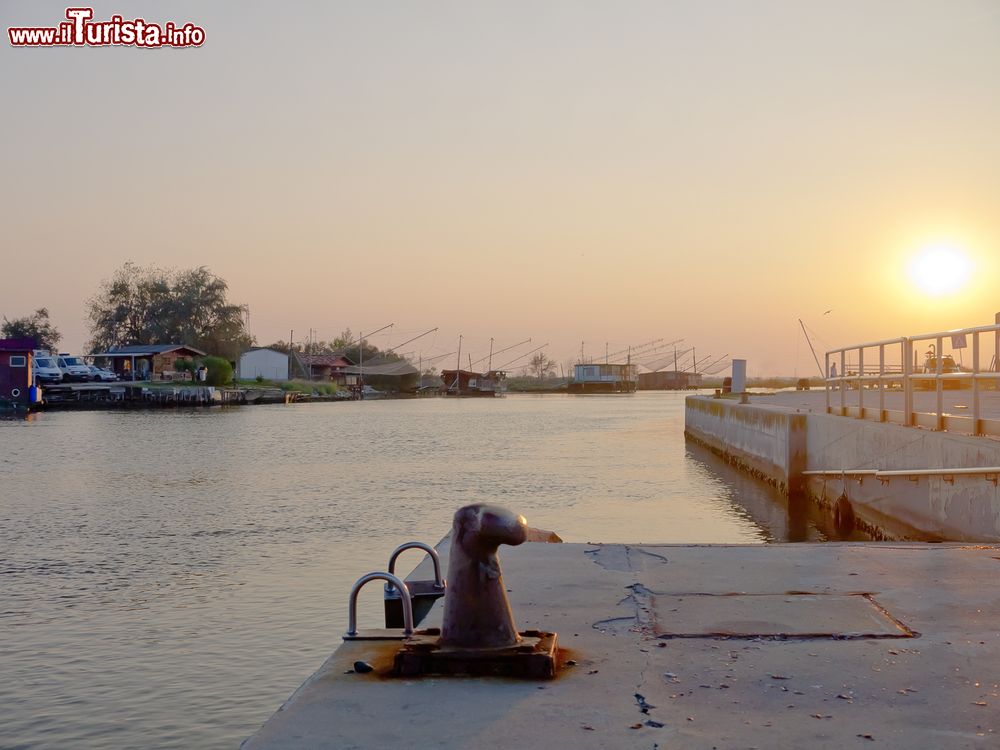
{"points": [[890, 366], [990, 473]]}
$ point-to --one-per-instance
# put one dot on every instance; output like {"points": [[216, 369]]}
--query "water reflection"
{"points": [[169, 577], [12, 415], [781, 518]]}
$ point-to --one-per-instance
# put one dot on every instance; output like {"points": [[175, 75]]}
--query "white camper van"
{"points": [[45, 368], [74, 368]]}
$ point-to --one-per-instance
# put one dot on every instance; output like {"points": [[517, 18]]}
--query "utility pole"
{"points": [[489, 366]]}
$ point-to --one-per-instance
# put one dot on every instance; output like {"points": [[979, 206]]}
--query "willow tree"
{"points": [[147, 305]]}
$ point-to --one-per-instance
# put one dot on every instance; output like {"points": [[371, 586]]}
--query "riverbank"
{"points": [[820, 646]]}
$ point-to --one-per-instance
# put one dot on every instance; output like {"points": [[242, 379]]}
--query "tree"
{"points": [[146, 305], [345, 343], [36, 326], [541, 366], [353, 349], [282, 346]]}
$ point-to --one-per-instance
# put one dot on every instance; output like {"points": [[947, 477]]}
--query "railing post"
{"points": [[826, 379], [907, 381], [843, 382], [881, 382], [996, 344], [975, 384], [940, 384], [861, 382]]}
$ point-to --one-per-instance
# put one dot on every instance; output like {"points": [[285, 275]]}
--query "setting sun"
{"points": [[940, 269]]}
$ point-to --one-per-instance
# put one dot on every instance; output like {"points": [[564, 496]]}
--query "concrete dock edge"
{"points": [[779, 443]]}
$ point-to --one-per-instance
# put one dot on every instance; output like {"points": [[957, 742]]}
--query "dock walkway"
{"points": [[955, 402], [818, 646]]}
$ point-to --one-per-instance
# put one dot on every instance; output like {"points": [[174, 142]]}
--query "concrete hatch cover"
{"points": [[833, 616]]}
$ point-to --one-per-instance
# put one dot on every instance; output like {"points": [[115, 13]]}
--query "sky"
{"points": [[586, 174]]}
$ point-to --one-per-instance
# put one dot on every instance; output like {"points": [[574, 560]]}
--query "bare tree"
{"points": [[541, 366]]}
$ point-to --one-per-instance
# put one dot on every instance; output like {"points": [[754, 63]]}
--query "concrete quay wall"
{"points": [[949, 506], [779, 444], [769, 443]]}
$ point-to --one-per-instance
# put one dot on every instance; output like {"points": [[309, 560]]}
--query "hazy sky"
{"points": [[566, 171]]}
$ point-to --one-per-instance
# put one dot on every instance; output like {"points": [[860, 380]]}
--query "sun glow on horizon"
{"points": [[941, 268]]}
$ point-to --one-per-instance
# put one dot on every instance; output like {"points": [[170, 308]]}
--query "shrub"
{"points": [[220, 372], [185, 365]]}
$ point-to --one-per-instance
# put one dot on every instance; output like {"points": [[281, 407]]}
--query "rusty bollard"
{"points": [[478, 635], [476, 609]]}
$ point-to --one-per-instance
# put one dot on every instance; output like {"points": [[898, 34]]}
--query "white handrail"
{"points": [[938, 472], [858, 375], [840, 472], [887, 473]]}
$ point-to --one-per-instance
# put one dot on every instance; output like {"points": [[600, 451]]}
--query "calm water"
{"points": [[168, 578]]}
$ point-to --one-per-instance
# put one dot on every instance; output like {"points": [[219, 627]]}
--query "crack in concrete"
{"points": [[653, 554]]}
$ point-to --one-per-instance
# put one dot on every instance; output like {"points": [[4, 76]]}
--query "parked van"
{"points": [[74, 368], [45, 369]]}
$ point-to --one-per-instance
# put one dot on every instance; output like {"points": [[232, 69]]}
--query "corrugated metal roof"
{"points": [[389, 368], [138, 350], [324, 360]]}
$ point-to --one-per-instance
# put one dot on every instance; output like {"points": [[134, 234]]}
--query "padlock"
{"points": [[381, 634], [423, 594]]}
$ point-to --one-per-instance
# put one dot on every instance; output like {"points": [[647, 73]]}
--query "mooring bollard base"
{"points": [[535, 657]]}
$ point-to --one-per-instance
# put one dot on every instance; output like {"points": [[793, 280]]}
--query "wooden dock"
{"points": [[136, 395]]}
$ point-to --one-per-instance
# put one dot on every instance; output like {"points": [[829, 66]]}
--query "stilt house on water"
{"points": [[608, 378], [669, 380], [468, 383]]}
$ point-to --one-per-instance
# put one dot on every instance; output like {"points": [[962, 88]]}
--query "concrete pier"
{"points": [[788, 439], [818, 646]]}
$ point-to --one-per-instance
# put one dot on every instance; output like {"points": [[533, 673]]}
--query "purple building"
{"points": [[16, 381]]}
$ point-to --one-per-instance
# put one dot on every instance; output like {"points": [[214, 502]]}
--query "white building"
{"points": [[266, 363], [608, 378]]}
